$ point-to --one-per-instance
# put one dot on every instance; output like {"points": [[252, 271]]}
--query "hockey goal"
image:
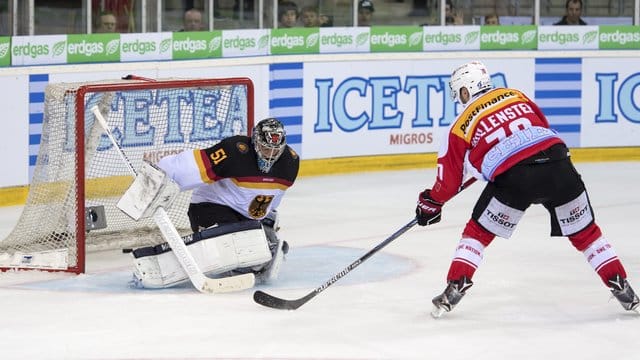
{"points": [[79, 176]]}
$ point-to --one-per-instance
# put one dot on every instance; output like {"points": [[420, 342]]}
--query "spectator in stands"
{"points": [[326, 20], [287, 14], [107, 23], [421, 8], [365, 12], [451, 15], [491, 19], [310, 16], [192, 20], [573, 11]]}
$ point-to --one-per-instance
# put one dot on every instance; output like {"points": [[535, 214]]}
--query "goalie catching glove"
{"points": [[428, 210]]}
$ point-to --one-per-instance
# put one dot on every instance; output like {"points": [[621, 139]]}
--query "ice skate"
{"points": [[622, 291], [451, 296]]}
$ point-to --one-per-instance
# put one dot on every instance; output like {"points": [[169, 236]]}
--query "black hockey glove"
{"points": [[428, 210]]}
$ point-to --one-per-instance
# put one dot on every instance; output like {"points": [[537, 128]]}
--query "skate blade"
{"points": [[437, 312]]}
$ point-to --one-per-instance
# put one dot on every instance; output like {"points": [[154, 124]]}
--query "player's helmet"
{"points": [[269, 140], [474, 76]]}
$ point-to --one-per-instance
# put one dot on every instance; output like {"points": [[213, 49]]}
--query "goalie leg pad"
{"points": [[270, 271], [216, 250]]}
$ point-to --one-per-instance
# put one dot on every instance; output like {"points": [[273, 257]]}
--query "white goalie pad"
{"points": [[269, 274], [216, 250], [150, 189]]}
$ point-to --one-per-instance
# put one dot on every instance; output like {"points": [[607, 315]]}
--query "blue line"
{"points": [[34, 139], [566, 128], [36, 97], [285, 84], [550, 111], [558, 77], [32, 159], [35, 118], [38, 77], [557, 94], [558, 60], [294, 139], [290, 120], [285, 102], [285, 66]]}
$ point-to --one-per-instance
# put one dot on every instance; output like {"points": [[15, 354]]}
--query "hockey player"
{"points": [[237, 186], [503, 137]]}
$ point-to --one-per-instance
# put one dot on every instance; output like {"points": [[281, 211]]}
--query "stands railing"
{"points": [[47, 17]]}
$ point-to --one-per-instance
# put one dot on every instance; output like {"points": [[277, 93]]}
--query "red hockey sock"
{"points": [[610, 269], [473, 230], [599, 254], [585, 237]]}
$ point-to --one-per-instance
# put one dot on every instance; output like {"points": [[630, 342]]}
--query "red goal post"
{"points": [[79, 177]]}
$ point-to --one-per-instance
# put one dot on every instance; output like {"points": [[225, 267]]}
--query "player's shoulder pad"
{"points": [[293, 153], [240, 144]]}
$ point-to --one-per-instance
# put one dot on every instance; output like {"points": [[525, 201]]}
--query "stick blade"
{"points": [[273, 302], [228, 284]]}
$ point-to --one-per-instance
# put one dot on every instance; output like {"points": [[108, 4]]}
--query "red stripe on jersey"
{"points": [[262, 182], [204, 165]]}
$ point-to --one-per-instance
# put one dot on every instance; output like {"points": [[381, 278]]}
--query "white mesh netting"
{"points": [[149, 119]]}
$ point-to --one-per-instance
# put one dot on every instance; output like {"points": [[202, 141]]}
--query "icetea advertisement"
{"points": [[392, 107], [610, 102]]}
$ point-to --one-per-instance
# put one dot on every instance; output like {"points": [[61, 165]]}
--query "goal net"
{"points": [[79, 176]]}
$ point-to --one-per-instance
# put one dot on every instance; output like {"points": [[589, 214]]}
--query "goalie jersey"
{"points": [[227, 174]]}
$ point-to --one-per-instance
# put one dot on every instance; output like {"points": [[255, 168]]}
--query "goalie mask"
{"points": [[269, 141], [473, 76]]}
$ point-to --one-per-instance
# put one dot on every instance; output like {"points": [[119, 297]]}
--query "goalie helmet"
{"points": [[474, 76], [269, 141]]}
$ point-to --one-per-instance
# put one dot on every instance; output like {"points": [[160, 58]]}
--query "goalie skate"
{"points": [[623, 292], [451, 296]]}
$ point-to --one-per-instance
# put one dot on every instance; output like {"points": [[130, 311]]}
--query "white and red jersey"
{"points": [[496, 131]]}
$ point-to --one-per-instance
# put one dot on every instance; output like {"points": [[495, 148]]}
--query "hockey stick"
{"points": [[171, 235], [271, 301]]}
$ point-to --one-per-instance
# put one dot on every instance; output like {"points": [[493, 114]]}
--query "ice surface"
{"points": [[535, 297]]}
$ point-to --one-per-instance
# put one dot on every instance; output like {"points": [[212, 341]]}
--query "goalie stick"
{"points": [[170, 234], [271, 301]]}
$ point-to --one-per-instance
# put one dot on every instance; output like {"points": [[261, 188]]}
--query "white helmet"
{"points": [[474, 76]]}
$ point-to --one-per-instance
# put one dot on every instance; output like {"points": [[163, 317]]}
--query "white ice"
{"points": [[535, 297]]}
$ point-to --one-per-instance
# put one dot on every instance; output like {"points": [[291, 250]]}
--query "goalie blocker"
{"points": [[222, 250]]}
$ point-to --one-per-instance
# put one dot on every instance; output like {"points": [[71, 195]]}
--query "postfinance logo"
{"points": [[197, 45], [619, 37], [401, 38], [93, 48], [516, 37], [295, 41]]}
